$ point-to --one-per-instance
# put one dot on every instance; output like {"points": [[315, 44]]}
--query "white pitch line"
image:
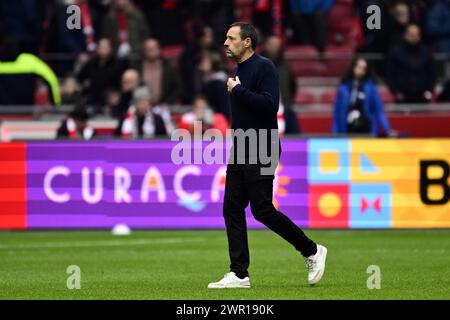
{"points": [[100, 243]]}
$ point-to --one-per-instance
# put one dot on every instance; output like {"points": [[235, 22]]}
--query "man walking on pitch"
{"points": [[254, 97]]}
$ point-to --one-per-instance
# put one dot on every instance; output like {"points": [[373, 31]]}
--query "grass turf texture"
{"points": [[415, 264]]}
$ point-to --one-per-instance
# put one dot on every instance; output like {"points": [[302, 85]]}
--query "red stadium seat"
{"points": [[308, 68], [386, 95], [339, 50], [295, 52], [304, 97], [304, 61], [338, 59], [340, 22]]}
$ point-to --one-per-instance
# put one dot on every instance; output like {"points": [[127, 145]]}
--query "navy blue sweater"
{"points": [[254, 103]]}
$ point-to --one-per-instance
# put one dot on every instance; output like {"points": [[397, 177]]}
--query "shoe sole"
{"points": [[229, 287], [320, 275]]}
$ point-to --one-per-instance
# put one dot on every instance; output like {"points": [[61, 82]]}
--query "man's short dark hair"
{"points": [[247, 31]]}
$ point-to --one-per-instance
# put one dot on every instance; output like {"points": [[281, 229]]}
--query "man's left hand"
{"points": [[232, 83]]}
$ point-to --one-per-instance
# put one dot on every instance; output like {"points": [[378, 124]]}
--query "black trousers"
{"points": [[244, 184]]}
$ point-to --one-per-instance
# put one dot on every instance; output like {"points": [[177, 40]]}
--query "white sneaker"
{"points": [[316, 265], [230, 280]]}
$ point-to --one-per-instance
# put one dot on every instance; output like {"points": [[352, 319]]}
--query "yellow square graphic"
{"points": [[329, 162]]}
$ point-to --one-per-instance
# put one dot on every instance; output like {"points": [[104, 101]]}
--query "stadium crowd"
{"points": [[118, 62]]}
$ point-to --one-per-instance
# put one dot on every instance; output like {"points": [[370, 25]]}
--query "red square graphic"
{"points": [[328, 206], [13, 186]]}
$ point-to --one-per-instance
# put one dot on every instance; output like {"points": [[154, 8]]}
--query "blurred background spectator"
{"points": [[410, 70], [358, 108], [102, 71], [73, 44], [268, 16], [130, 81], [158, 75], [166, 20], [140, 121], [402, 18], [273, 49], [214, 83], [76, 126], [217, 14], [438, 25], [70, 91], [203, 43], [175, 49], [308, 19], [126, 27], [202, 112]]}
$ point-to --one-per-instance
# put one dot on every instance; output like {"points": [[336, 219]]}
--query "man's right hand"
{"points": [[232, 83]]}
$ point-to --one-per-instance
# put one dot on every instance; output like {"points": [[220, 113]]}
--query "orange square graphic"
{"points": [[329, 161]]}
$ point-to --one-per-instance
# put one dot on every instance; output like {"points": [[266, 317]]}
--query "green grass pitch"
{"points": [[415, 264]]}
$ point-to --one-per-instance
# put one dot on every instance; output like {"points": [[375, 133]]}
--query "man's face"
{"points": [[104, 49], [401, 14], [273, 47], [70, 85], [413, 35], [234, 44], [151, 50], [205, 65], [130, 81], [142, 106], [200, 106], [360, 69], [208, 37]]}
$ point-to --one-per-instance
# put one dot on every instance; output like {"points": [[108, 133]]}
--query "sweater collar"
{"points": [[248, 61]]}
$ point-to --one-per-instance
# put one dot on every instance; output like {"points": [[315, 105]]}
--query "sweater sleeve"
{"points": [[267, 96]]}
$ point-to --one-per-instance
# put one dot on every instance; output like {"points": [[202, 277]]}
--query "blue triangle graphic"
{"points": [[367, 166]]}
